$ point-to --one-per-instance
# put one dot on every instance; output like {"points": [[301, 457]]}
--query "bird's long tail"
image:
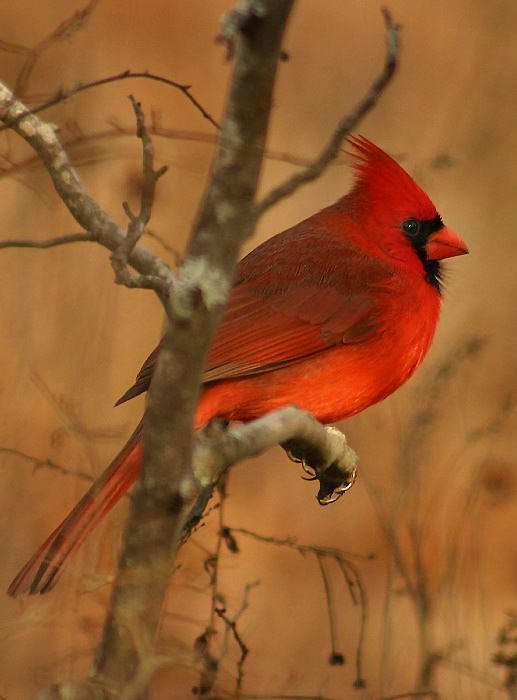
{"points": [[41, 573]]}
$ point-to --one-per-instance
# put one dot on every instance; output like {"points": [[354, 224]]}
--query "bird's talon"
{"points": [[331, 494], [307, 469], [347, 484], [293, 458]]}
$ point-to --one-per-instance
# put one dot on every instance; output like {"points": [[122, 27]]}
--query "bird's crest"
{"points": [[381, 180]]}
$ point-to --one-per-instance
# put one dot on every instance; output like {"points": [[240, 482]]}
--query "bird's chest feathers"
{"points": [[357, 375]]}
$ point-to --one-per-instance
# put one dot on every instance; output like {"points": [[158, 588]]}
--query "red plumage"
{"points": [[332, 315]]}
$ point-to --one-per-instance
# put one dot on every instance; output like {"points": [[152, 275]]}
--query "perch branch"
{"points": [[324, 448]]}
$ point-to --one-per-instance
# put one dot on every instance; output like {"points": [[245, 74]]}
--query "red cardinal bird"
{"points": [[332, 315]]}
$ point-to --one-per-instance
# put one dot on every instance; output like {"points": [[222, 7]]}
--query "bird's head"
{"points": [[396, 213]]}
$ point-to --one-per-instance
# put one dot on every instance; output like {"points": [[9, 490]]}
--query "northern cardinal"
{"points": [[332, 315]]}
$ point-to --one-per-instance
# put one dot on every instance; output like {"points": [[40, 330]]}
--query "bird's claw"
{"points": [[293, 458], [308, 470], [334, 478], [329, 495]]}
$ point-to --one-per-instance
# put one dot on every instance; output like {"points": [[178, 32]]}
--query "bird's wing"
{"points": [[143, 378], [293, 297]]}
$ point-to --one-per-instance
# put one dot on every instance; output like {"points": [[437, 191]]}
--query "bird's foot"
{"points": [[335, 477]]}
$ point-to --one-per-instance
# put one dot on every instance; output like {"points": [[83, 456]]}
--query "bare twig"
{"points": [[80, 140], [345, 126], [210, 663], [232, 625], [43, 139], [333, 552], [353, 581], [280, 696], [137, 223], [49, 242], [63, 94], [412, 694], [64, 30], [342, 559], [178, 260], [330, 456], [336, 658], [41, 463]]}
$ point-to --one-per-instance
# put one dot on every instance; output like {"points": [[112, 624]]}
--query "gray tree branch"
{"points": [[42, 137], [345, 125], [168, 485]]}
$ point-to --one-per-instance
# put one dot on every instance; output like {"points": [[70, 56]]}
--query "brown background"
{"points": [[72, 342]]}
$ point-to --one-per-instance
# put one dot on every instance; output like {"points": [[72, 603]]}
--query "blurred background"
{"points": [[435, 502]]}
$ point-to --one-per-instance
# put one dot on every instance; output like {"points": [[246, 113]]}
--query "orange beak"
{"points": [[444, 244]]}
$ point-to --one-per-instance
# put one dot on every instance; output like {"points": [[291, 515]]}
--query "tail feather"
{"points": [[41, 573]]}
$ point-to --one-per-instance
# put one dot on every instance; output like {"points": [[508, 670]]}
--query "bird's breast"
{"points": [[337, 382]]}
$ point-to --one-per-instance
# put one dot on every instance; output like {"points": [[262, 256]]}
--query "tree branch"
{"points": [[62, 94], [324, 448], [42, 137], [168, 485], [120, 130], [345, 126], [49, 242], [119, 258]]}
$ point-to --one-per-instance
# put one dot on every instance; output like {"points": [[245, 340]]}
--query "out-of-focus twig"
{"points": [[346, 125]]}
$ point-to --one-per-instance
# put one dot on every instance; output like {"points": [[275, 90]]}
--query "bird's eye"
{"points": [[411, 226]]}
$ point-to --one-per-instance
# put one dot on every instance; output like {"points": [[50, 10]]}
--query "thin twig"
{"points": [[40, 463], [49, 242], [64, 30], [123, 131], [137, 223], [414, 694], [63, 94], [178, 260], [210, 667], [43, 139], [336, 658], [279, 696], [345, 126], [334, 552], [346, 567], [232, 625], [343, 560]]}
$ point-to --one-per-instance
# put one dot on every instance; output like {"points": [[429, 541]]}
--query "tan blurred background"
{"points": [[436, 494]]}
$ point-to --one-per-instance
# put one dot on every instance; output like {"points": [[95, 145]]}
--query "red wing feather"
{"points": [[288, 303], [257, 336]]}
